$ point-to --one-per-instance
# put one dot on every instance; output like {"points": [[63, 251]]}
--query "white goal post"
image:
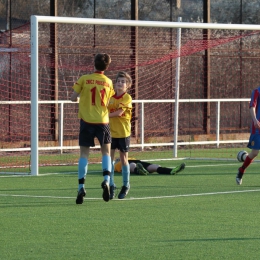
{"points": [[35, 20]]}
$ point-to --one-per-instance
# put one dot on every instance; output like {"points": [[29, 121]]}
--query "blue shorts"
{"points": [[122, 144], [254, 142], [88, 132]]}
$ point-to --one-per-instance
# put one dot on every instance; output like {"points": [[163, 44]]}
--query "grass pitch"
{"points": [[198, 214]]}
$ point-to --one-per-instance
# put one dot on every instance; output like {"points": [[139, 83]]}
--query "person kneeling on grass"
{"points": [[144, 168]]}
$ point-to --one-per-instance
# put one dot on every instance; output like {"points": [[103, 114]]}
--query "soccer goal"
{"points": [[191, 86]]}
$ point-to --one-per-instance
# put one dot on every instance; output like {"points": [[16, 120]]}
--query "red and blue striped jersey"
{"points": [[255, 102]]}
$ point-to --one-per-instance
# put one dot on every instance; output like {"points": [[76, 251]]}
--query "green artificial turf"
{"points": [[198, 214]]}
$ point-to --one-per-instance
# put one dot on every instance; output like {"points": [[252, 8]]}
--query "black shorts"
{"points": [[88, 132], [145, 164], [122, 144]]}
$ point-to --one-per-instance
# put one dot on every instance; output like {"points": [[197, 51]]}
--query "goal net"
{"points": [[191, 87]]}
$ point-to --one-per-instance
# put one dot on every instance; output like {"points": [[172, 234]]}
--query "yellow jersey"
{"points": [[120, 126], [94, 91]]}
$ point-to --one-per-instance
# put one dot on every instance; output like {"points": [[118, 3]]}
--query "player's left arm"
{"points": [[125, 104]]}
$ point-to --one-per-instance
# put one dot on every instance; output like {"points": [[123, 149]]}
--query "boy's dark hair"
{"points": [[102, 61], [122, 74]]}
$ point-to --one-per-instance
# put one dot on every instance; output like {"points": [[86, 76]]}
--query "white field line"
{"points": [[132, 198], [54, 173], [196, 194]]}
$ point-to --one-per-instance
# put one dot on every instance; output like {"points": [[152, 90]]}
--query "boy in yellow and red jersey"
{"points": [[120, 113], [94, 91]]}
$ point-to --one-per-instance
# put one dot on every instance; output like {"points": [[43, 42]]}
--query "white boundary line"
{"points": [[143, 198], [196, 194], [55, 173]]}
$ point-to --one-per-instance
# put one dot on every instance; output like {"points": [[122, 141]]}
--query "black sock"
{"points": [[164, 170]]}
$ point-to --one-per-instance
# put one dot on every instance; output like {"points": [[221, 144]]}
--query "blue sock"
{"points": [[106, 166], [112, 174], [82, 171], [126, 175]]}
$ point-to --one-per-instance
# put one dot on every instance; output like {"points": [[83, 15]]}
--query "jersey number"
{"points": [[93, 96]]}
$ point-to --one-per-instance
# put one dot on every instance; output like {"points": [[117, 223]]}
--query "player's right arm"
{"points": [[74, 96], [77, 87]]}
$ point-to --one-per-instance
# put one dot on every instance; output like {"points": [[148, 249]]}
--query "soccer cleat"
{"points": [[239, 181], [81, 195], [141, 170], [112, 192], [239, 177], [124, 190], [106, 193], [178, 169]]}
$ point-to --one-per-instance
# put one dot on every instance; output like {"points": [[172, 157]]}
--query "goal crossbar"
{"points": [[54, 19]]}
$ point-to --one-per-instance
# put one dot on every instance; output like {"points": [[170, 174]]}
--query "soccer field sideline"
{"points": [[134, 198]]}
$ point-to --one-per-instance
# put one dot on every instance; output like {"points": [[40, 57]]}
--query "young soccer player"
{"points": [[144, 168], [120, 113], [254, 139], [94, 91]]}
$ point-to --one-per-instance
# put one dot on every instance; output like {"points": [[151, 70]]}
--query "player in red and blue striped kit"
{"points": [[254, 139]]}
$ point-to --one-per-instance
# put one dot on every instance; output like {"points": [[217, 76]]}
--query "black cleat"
{"points": [[81, 195], [112, 192], [239, 177], [124, 190], [106, 193]]}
